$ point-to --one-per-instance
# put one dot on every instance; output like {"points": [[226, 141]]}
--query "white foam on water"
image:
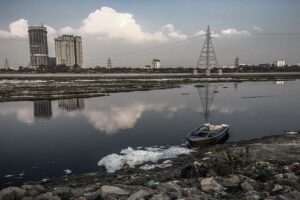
{"points": [[131, 157]]}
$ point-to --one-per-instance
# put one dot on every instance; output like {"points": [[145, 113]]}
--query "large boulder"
{"points": [[171, 188], [141, 194], [247, 187], [160, 196], [210, 185], [107, 191], [12, 193]]}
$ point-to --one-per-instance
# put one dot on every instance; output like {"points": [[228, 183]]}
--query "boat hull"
{"points": [[221, 138]]}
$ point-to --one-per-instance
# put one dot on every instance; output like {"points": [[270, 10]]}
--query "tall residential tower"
{"points": [[38, 46], [68, 50]]}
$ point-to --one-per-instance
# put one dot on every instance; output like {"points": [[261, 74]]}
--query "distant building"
{"points": [[155, 63], [38, 46], [68, 50], [236, 62], [280, 63]]}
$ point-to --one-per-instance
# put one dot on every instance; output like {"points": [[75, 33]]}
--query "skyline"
{"points": [[256, 31]]}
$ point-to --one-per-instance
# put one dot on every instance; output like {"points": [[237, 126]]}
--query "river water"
{"points": [[41, 139]]}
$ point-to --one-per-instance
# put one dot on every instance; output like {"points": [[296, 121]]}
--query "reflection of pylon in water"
{"points": [[6, 65], [207, 94], [207, 58]]}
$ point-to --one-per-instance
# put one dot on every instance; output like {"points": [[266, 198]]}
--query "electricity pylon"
{"points": [[207, 58], [108, 63], [6, 65]]}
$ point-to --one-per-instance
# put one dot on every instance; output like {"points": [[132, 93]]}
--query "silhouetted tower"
{"points": [[207, 58], [108, 63], [6, 65], [236, 62]]}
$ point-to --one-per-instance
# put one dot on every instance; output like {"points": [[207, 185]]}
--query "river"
{"points": [[41, 139]]}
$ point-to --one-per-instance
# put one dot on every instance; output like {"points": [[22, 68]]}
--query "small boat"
{"points": [[208, 134]]}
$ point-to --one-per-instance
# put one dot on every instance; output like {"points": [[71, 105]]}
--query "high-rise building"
{"points": [[280, 63], [155, 63], [38, 46], [68, 50]]}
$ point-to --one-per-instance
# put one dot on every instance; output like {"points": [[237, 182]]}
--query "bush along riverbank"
{"points": [[266, 168]]}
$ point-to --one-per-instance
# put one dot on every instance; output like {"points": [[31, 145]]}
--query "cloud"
{"points": [[121, 26], [67, 30], [234, 32], [51, 31], [117, 118], [107, 22], [169, 30], [17, 29], [199, 33], [257, 28]]}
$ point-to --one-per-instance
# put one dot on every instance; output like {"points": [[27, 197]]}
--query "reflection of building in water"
{"points": [[71, 104], [207, 94], [279, 82], [42, 109]]}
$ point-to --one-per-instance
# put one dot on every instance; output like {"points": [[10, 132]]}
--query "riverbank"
{"points": [[30, 87], [266, 168]]}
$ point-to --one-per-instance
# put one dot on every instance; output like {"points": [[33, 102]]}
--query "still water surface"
{"points": [[43, 138]]}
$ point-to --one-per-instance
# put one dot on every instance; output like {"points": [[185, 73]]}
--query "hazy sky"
{"points": [[133, 32]]}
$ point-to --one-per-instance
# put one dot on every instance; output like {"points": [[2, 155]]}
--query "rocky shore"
{"points": [[266, 168]]}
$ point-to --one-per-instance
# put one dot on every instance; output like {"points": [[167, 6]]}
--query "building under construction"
{"points": [[38, 46]]}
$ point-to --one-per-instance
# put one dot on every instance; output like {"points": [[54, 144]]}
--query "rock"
{"points": [[211, 185], [191, 192], [12, 193], [33, 190], [211, 172], [247, 187], [277, 188], [189, 172], [39, 188], [262, 164], [251, 196], [171, 188], [62, 192], [93, 195], [77, 192], [107, 191], [232, 181], [47, 196], [160, 196], [90, 188], [292, 167], [291, 176], [27, 198], [139, 195]]}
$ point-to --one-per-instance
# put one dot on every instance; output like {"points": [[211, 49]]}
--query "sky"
{"points": [[133, 32]]}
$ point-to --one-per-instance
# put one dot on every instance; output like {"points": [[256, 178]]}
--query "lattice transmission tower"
{"points": [[108, 63], [6, 65], [207, 58]]}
